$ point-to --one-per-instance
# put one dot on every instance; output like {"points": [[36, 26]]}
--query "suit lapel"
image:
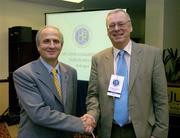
{"points": [[136, 57], [45, 78], [64, 81], [109, 64], [43, 74]]}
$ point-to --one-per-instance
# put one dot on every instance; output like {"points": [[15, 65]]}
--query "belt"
{"points": [[125, 126]]}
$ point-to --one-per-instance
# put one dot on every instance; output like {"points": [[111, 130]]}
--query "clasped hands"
{"points": [[89, 123]]}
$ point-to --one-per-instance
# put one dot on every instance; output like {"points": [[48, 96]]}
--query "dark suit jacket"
{"points": [[148, 100], [43, 113]]}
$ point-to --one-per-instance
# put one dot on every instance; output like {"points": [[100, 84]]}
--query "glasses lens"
{"points": [[118, 24]]}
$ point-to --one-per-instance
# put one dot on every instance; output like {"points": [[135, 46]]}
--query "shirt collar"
{"points": [[49, 67], [127, 48]]}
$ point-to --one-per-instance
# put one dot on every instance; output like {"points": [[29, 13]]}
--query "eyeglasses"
{"points": [[119, 25]]}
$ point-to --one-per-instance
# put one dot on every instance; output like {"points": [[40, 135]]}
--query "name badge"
{"points": [[115, 86]]}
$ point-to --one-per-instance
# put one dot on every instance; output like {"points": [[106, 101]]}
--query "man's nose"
{"points": [[52, 44], [116, 27]]}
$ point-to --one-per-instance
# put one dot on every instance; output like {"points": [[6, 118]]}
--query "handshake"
{"points": [[89, 123]]}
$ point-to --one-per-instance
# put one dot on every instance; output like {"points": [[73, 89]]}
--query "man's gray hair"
{"points": [[38, 35], [116, 11]]}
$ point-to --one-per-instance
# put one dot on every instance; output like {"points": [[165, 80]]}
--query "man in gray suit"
{"points": [[47, 111], [147, 99]]}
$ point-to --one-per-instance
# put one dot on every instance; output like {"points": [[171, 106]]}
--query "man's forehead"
{"points": [[49, 30]]}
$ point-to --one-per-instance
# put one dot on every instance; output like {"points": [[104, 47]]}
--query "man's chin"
{"points": [[52, 58], [119, 40]]}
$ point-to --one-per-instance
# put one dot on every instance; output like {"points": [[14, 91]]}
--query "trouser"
{"points": [[127, 131]]}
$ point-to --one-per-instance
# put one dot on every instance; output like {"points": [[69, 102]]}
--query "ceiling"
{"points": [[138, 5]]}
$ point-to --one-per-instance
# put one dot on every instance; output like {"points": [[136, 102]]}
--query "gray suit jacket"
{"points": [[148, 100], [43, 113]]}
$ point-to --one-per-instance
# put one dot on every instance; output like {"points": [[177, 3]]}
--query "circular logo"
{"points": [[115, 82], [82, 35]]}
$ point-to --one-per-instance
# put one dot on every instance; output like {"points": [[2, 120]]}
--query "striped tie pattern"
{"points": [[56, 82]]}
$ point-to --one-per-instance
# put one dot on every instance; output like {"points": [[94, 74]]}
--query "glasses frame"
{"points": [[120, 25]]}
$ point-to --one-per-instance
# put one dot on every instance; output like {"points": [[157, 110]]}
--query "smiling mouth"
{"points": [[118, 35], [51, 52]]}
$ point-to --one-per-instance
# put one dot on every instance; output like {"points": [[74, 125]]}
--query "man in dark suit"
{"points": [[146, 111], [46, 110]]}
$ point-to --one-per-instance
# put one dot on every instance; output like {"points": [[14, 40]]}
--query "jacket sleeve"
{"points": [[160, 98], [92, 100]]}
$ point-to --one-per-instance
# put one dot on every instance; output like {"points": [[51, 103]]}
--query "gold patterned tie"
{"points": [[56, 82]]}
